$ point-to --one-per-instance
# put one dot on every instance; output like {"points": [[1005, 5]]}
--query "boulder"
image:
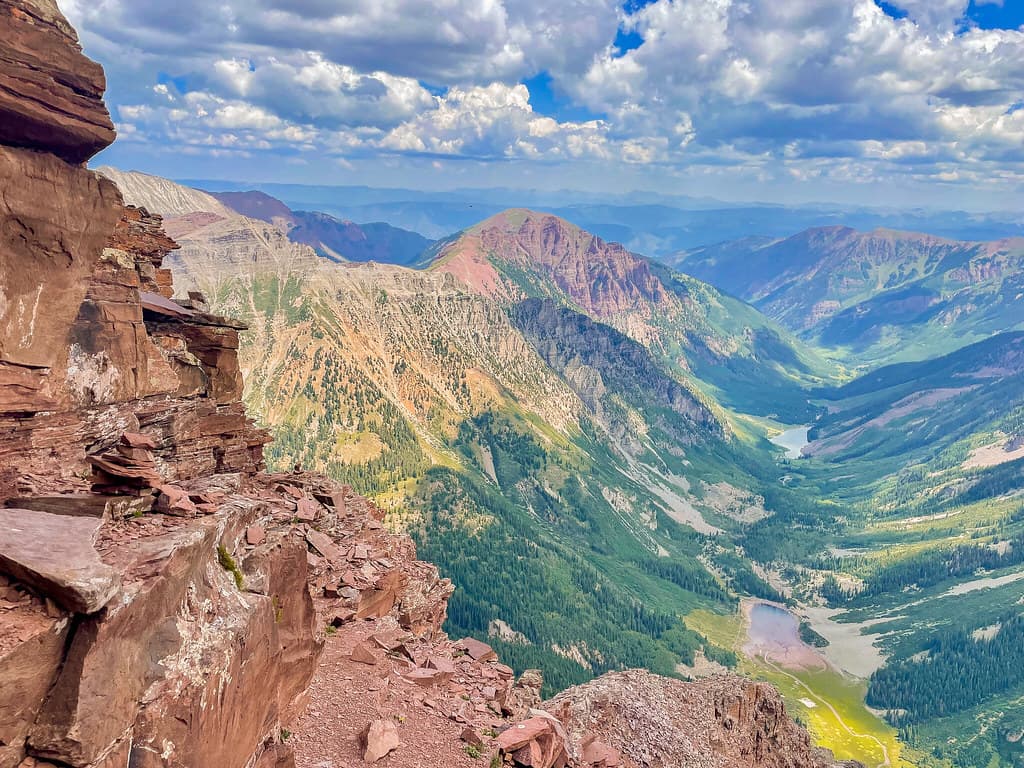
{"points": [[377, 602], [85, 504], [363, 654], [174, 501], [55, 555], [379, 739], [535, 743], [425, 678], [306, 510]]}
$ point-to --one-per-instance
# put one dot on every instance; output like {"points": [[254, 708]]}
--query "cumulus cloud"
{"points": [[440, 41], [805, 77], [803, 88]]}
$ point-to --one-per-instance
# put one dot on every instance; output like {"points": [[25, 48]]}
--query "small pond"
{"points": [[793, 440]]}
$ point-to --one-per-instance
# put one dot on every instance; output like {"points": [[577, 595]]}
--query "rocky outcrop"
{"points": [[138, 621], [51, 95], [718, 722]]}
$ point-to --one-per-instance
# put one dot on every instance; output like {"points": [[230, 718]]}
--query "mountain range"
{"points": [[771, 518], [879, 296], [561, 421], [332, 238], [658, 225]]}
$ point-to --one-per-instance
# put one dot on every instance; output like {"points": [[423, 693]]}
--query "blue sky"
{"points": [[904, 102]]}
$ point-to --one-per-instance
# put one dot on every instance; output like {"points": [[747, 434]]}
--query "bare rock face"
{"points": [[127, 635], [539, 742], [155, 605], [56, 220], [51, 95]]}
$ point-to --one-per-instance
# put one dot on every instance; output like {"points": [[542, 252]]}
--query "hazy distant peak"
{"points": [[163, 196]]}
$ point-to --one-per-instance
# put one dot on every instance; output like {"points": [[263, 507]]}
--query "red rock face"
{"points": [[51, 96], [56, 220]]}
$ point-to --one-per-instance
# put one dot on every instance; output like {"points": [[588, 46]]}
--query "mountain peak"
{"points": [[513, 219], [519, 253]]}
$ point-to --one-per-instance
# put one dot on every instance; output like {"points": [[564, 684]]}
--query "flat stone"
{"points": [[476, 650], [84, 504], [255, 535], [306, 510], [55, 555], [325, 545], [342, 617], [425, 678], [363, 654]]}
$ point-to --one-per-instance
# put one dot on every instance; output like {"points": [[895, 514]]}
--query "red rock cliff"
{"points": [[154, 586]]}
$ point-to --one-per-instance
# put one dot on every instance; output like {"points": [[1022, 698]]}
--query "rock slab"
{"points": [[55, 555]]}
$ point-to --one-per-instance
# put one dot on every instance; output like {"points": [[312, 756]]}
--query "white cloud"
{"points": [[800, 77], [801, 89], [493, 121]]}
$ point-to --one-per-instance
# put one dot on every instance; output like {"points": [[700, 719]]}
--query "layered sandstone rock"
{"points": [[51, 96], [124, 634], [155, 605]]}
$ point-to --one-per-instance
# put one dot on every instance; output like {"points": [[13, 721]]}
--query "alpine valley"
{"points": [[621, 462]]}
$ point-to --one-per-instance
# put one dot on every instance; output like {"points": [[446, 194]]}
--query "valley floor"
{"points": [[829, 702]]}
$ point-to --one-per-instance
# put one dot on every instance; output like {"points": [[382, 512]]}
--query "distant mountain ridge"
{"points": [[652, 224], [881, 295], [163, 196], [330, 237]]}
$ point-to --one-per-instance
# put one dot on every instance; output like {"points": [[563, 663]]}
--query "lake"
{"points": [[793, 440], [774, 634], [771, 625]]}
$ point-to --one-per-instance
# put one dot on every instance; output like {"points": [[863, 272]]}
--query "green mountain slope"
{"points": [[526, 477], [719, 345], [924, 466], [875, 297]]}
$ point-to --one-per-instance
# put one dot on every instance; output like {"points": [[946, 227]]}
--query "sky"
{"points": [[900, 103]]}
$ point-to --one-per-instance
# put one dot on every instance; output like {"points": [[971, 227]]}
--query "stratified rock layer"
{"points": [[51, 96], [125, 634]]}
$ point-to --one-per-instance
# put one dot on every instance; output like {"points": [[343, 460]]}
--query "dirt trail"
{"points": [[886, 763]]}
